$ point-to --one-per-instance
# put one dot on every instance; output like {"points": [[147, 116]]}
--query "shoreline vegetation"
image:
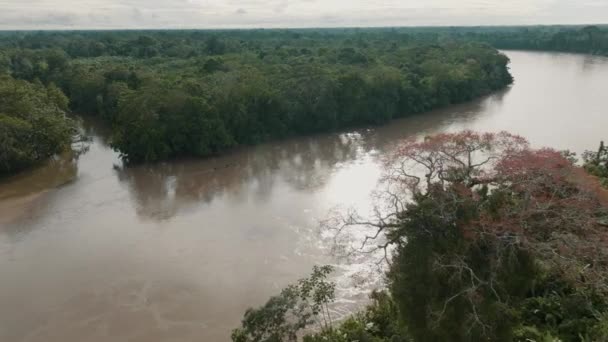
{"points": [[34, 125], [194, 93], [169, 94]]}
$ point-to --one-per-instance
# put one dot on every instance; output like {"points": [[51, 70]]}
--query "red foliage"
{"points": [[526, 164], [548, 205], [467, 157]]}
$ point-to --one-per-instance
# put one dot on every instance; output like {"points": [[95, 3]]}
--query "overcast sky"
{"points": [[81, 14]]}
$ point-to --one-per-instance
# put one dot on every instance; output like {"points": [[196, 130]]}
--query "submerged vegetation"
{"points": [[491, 240]]}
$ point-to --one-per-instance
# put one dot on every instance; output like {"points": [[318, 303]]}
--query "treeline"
{"points": [[196, 93], [579, 39], [33, 123]]}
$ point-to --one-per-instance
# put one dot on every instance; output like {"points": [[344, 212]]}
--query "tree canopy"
{"points": [[33, 123], [169, 94], [579, 39]]}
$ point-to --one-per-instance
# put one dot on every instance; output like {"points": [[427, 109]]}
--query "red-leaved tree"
{"points": [[489, 199]]}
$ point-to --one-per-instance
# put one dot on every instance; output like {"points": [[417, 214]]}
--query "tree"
{"points": [[484, 228], [596, 163], [33, 124], [378, 322], [297, 307], [154, 123]]}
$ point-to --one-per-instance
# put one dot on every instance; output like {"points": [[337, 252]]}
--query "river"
{"points": [[91, 251]]}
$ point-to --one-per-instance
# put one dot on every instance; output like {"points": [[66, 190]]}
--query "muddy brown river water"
{"points": [[90, 251]]}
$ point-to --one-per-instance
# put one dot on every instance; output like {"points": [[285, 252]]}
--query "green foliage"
{"points": [[600, 331], [379, 322], [596, 163], [297, 307], [528, 334], [580, 39], [557, 308], [212, 65], [153, 124], [452, 288], [278, 320], [222, 89], [33, 124]]}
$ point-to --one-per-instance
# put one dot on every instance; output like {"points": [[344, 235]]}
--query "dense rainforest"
{"points": [[588, 39], [196, 93], [585, 39], [33, 123]]}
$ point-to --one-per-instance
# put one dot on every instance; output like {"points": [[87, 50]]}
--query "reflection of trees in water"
{"points": [[308, 163], [56, 172], [304, 164], [251, 173], [384, 138], [93, 126], [590, 64], [24, 197]]}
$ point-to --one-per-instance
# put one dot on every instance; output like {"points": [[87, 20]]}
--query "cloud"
{"points": [[282, 6], [53, 14]]}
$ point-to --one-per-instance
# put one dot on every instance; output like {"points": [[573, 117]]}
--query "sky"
{"points": [[131, 14]]}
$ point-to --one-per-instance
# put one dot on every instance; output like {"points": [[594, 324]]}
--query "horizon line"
{"points": [[242, 28]]}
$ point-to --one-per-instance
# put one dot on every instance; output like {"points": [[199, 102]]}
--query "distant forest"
{"points": [[170, 94], [583, 39]]}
